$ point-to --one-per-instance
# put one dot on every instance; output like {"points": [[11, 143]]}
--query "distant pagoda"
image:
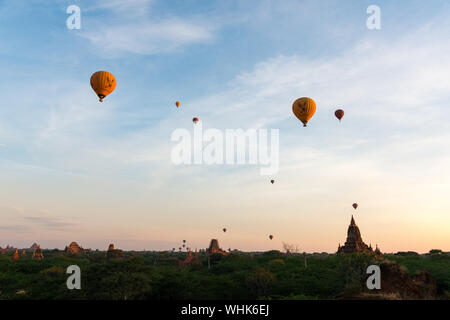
{"points": [[214, 248], [33, 247], [113, 252], [16, 255], [37, 254], [191, 259], [74, 248], [354, 242]]}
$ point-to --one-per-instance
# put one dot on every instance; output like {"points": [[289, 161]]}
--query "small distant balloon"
{"points": [[184, 241], [224, 229], [355, 205], [271, 237], [195, 120], [178, 104], [339, 114], [272, 181]]}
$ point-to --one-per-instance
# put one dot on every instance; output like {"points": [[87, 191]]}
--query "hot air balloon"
{"points": [[355, 205], [271, 237], [272, 181], [103, 83], [339, 114], [304, 108], [178, 104], [184, 241], [195, 120], [224, 229]]}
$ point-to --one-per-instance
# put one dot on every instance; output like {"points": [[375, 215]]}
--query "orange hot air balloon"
{"points": [[103, 83], [178, 104], [304, 108], [195, 120], [271, 237], [355, 205], [339, 114]]}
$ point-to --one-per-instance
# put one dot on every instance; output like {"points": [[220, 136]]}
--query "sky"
{"points": [[74, 169]]}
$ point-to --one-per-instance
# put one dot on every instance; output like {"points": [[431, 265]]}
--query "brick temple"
{"points": [[355, 243]]}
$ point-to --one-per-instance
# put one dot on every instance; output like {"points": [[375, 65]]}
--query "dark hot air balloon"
{"points": [[271, 237], [195, 120], [224, 229], [272, 181], [355, 205], [339, 114]]}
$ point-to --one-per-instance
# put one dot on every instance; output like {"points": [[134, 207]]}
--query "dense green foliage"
{"points": [[146, 275]]}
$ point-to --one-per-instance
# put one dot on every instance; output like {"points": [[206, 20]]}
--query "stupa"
{"points": [[354, 242], [16, 255], [214, 248], [74, 248], [37, 254]]}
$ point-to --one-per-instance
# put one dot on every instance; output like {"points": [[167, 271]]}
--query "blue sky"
{"points": [[73, 169]]}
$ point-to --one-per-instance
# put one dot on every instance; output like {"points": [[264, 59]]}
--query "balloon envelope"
{"points": [[103, 83], [271, 237], [272, 181], [304, 108], [195, 120], [355, 205], [178, 103], [339, 114]]}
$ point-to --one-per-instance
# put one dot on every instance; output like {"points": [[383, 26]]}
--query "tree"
{"points": [[290, 248]]}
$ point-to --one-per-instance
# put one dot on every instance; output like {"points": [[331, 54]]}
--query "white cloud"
{"points": [[133, 28], [149, 38]]}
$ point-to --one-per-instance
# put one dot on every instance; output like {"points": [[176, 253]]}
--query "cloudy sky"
{"points": [[74, 169]]}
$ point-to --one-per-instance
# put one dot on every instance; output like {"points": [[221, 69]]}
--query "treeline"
{"points": [[146, 275]]}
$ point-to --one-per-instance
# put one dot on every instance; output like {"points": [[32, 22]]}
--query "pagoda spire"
{"points": [[352, 222]]}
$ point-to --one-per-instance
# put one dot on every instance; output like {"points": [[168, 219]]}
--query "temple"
{"points": [[191, 259], [16, 255], [113, 252], [354, 242], [214, 248], [37, 254], [74, 248]]}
